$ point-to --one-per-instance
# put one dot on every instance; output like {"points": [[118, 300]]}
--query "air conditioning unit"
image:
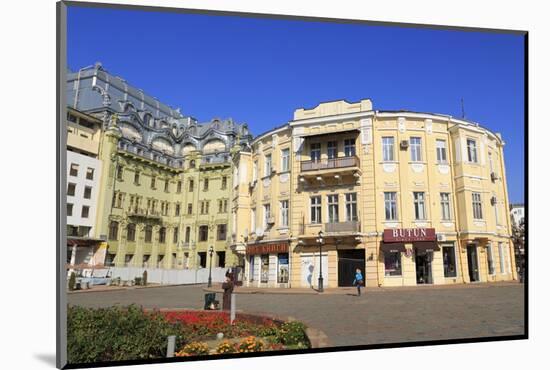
{"points": [[494, 177], [271, 220], [404, 144], [441, 238], [493, 201]]}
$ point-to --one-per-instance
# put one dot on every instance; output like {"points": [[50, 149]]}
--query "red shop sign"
{"points": [[409, 235], [267, 248]]}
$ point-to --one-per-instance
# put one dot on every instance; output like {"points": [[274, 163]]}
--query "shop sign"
{"points": [[267, 248], [421, 234]]}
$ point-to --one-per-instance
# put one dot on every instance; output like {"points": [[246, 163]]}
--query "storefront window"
{"points": [[264, 268], [449, 261], [251, 273], [282, 274], [490, 260], [392, 263]]}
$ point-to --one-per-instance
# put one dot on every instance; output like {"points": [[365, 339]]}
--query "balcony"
{"points": [[347, 228], [342, 227], [330, 164], [144, 213]]}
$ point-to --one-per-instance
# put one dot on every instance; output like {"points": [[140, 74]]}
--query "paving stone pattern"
{"points": [[374, 318]]}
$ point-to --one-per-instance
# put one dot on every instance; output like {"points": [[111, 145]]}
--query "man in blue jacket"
{"points": [[358, 281]]}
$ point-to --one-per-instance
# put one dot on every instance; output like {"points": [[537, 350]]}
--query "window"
{"points": [[205, 205], [419, 205], [202, 259], [441, 151], [284, 213], [445, 206], [205, 185], [416, 149], [178, 189], [392, 263], [189, 208], [283, 270], [69, 209], [267, 214], [148, 233], [449, 261], [351, 207], [490, 260], [225, 206], [253, 219], [477, 206], [166, 185], [251, 268], [85, 211], [187, 234], [162, 235], [332, 207], [191, 184], [176, 234], [203, 233], [222, 232], [87, 192], [390, 205], [71, 189], [153, 180], [315, 152], [264, 268], [74, 170], [131, 232], [267, 168], [349, 147], [177, 209], [502, 251], [285, 160], [387, 148], [220, 206], [90, 173], [192, 163], [316, 210], [332, 149], [495, 206], [472, 150], [224, 182], [220, 259], [254, 171], [119, 173], [113, 230], [136, 178]]}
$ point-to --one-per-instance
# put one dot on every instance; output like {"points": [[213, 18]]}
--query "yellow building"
{"points": [[410, 198]]}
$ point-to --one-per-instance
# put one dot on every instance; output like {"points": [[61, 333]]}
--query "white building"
{"points": [[517, 212]]}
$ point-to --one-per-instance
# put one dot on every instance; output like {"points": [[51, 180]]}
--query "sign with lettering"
{"points": [[409, 235], [267, 248]]}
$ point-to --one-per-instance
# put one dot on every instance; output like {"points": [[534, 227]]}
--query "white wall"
{"points": [[168, 277], [80, 180]]}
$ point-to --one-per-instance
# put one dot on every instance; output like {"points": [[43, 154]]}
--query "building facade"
{"points": [[410, 198], [166, 178]]}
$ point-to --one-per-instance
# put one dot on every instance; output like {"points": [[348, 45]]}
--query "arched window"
{"points": [[162, 235], [148, 233], [176, 235], [192, 163], [113, 230], [131, 232]]}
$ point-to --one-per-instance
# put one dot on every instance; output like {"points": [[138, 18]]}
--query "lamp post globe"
{"points": [[320, 241], [210, 252]]}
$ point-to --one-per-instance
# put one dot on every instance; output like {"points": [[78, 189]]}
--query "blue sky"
{"points": [[259, 71]]}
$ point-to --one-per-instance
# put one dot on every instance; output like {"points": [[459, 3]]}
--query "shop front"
{"points": [[267, 265]]}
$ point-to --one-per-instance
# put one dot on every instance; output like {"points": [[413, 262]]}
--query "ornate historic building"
{"points": [[166, 178]]}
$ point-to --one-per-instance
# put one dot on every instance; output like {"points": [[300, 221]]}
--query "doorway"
{"points": [[348, 261], [423, 260], [473, 268]]}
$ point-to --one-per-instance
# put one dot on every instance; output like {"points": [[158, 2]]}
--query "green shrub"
{"points": [[293, 333], [72, 281], [116, 334], [144, 278]]}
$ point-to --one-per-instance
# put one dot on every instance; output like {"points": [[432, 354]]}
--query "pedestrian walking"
{"points": [[358, 281], [227, 290]]}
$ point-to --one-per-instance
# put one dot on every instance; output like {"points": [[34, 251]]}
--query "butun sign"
{"points": [[409, 235]]}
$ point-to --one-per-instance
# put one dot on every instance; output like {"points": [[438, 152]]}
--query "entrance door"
{"points": [[423, 262], [473, 268], [348, 261]]}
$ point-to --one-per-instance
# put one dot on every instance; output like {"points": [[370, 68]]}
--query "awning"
{"points": [[423, 247], [392, 247], [82, 242]]}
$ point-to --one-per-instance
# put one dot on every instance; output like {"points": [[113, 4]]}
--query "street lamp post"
{"points": [[320, 241], [211, 252]]}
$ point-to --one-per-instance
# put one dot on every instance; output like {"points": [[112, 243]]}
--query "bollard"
{"points": [[171, 346], [233, 305]]}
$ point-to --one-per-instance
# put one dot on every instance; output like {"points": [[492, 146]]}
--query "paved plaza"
{"points": [[378, 316]]}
